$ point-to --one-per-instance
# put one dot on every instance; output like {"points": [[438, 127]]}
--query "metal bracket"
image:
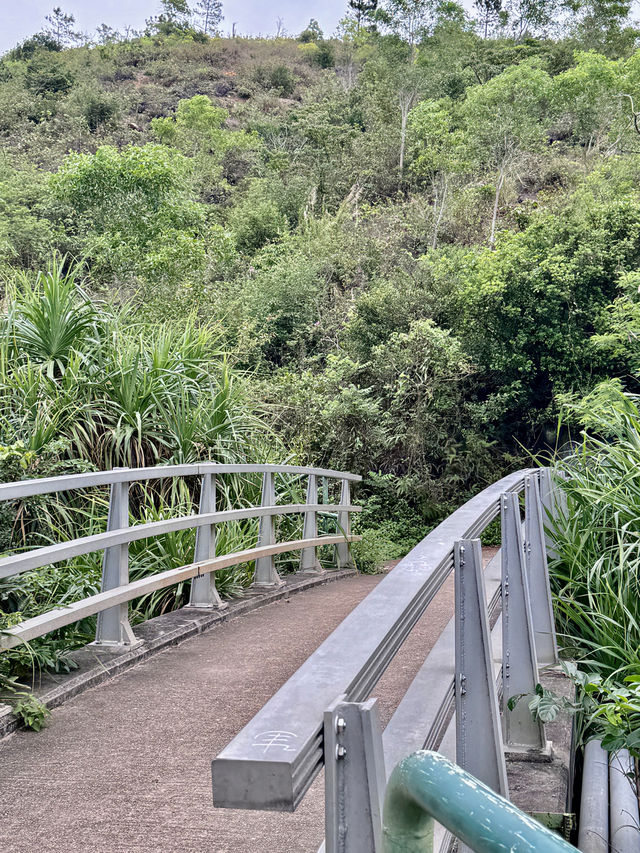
{"points": [[520, 665], [479, 748], [354, 777]]}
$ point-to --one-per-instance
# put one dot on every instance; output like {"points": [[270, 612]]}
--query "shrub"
{"points": [[278, 77]]}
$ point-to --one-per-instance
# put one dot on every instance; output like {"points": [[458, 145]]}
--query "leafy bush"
{"points": [[278, 77]]}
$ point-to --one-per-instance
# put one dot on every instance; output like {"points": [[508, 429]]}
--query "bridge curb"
{"points": [[97, 666]]}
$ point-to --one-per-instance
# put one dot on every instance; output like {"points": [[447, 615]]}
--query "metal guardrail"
{"points": [[111, 603], [321, 716], [426, 786]]}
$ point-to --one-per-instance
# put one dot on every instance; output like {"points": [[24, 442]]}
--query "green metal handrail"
{"points": [[426, 787]]}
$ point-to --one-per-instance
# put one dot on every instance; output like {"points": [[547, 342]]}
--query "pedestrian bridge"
{"points": [[278, 696]]}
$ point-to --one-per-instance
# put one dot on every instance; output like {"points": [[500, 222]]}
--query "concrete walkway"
{"points": [[125, 767]]}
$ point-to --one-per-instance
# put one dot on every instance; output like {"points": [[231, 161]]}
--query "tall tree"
{"points": [[175, 16], [409, 18], [504, 120], [209, 14], [60, 28], [489, 11], [364, 9]]}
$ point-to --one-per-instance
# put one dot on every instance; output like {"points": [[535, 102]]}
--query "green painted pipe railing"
{"points": [[426, 787]]}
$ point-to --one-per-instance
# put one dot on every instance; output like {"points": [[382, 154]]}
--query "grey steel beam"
{"points": [[113, 628], [309, 563], [430, 696], [354, 777], [28, 560], [544, 627], [593, 827], [203, 593], [350, 662], [554, 506], [49, 485], [266, 574], [479, 748], [343, 552], [520, 666]]}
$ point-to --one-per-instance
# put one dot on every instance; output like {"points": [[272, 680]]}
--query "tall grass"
{"points": [[596, 573], [85, 386]]}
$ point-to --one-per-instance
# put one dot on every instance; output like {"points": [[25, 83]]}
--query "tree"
{"points": [[312, 32], [489, 12], [528, 18], [364, 10], [61, 28], [107, 35], [437, 153], [586, 103], [209, 13], [503, 121], [175, 17], [134, 213], [409, 18]]}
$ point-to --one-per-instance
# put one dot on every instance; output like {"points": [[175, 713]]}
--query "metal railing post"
{"points": [[520, 665], [343, 553], [113, 627], [309, 563], [554, 504], [266, 574], [203, 587], [538, 575], [354, 777], [479, 748]]}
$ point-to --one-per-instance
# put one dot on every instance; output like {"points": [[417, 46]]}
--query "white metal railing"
{"points": [[111, 603]]}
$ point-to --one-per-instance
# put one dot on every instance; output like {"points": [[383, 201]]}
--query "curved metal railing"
{"points": [[243, 773], [111, 603], [322, 717]]}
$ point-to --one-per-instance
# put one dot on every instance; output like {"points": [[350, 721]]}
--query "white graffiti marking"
{"points": [[282, 740]]}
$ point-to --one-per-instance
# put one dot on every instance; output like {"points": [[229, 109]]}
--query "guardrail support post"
{"points": [[266, 574], [309, 563], [479, 748], [113, 627], [354, 777], [520, 666], [544, 628], [554, 503], [343, 553], [203, 587]]}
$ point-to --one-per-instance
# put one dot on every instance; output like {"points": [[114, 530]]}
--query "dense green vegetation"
{"points": [[390, 251], [596, 565]]}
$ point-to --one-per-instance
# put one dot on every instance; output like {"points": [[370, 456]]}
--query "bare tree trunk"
{"points": [[492, 237]]}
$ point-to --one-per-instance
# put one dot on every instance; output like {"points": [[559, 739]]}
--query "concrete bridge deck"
{"points": [[125, 766]]}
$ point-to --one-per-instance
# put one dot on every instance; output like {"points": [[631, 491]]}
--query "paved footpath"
{"points": [[125, 766]]}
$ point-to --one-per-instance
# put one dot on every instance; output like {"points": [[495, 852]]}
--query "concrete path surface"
{"points": [[125, 766]]}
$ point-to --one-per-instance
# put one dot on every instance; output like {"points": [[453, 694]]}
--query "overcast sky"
{"points": [[22, 18]]}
